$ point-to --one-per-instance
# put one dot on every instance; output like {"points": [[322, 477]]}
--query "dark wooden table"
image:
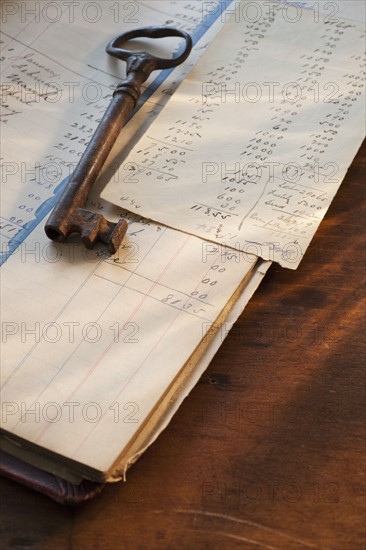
{"points": [[266, 452]]}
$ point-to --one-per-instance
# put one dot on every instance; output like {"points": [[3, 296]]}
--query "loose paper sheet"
{"points": [[254, 145]]}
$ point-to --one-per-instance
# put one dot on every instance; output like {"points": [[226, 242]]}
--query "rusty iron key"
{"points": [[69, 216]]}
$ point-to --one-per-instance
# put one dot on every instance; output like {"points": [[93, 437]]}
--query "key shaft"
{"points": [[69, 216]]}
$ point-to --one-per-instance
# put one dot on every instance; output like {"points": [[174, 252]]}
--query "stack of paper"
{"points": [[237, 171]]}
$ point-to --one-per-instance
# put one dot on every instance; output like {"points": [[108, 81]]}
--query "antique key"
{"points": [[69, 216]]}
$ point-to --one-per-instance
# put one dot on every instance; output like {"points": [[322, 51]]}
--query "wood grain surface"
{"points": [[267, 451]]}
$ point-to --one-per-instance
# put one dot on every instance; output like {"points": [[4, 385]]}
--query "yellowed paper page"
{"points": [[91, 343], [254, 145]]}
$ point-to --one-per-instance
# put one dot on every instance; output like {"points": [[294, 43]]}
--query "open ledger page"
{"points": [[255, 143], [92, 343]]}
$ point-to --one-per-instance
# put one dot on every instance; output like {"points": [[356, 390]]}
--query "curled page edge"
{"points": [[183, 385]]}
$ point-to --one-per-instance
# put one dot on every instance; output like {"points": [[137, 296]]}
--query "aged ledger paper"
{"points": [[97, 351], [255, 143]]}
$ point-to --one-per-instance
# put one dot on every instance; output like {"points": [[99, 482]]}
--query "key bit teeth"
{"points": [[109, 233], [117, 234], [94, 227]]}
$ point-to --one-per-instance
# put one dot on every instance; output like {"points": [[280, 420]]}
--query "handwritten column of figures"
{"points": [[284, 158]]}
